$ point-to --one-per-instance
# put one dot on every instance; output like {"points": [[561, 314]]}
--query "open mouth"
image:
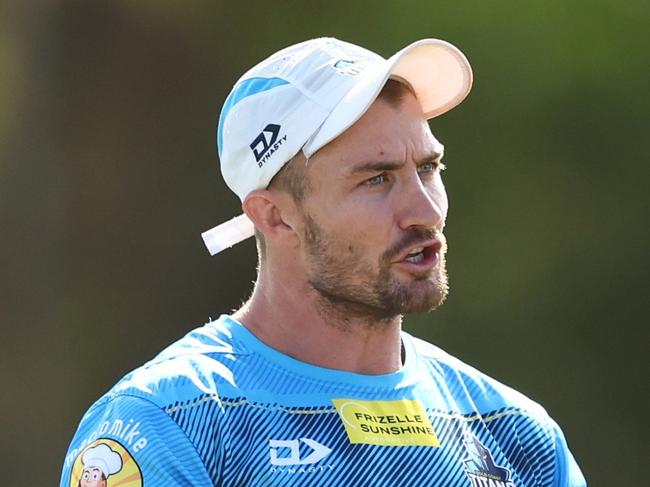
{"points": [[416, 255], [423, 255]]}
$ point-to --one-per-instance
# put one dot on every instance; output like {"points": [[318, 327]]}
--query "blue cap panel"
{"points": [[246, 88]]}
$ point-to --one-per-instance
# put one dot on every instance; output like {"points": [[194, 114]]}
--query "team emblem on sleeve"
{"points": [[105, 463]]}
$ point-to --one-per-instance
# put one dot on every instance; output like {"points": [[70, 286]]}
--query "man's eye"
{"points": [[429, 167], [376, 180]]}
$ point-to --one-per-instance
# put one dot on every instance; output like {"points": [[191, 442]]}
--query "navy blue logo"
{"points": [[266, 143], [480, 466]]}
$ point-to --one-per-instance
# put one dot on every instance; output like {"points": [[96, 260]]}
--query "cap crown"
{"points": [[276, 106]]}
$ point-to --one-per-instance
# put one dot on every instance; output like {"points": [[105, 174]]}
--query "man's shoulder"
{"points": [[136, 420], [201, 361], [469, 384]]}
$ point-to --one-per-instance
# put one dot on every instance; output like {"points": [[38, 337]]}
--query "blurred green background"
{"points": [[108, 174]]}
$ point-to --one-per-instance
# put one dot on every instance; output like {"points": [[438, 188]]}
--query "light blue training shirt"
{"points": [[219, 407]]}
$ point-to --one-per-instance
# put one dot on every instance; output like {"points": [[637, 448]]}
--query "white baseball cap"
{"points": [[305, 95]]}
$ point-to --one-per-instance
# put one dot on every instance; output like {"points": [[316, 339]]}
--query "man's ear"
{"points": [[270, 213]]}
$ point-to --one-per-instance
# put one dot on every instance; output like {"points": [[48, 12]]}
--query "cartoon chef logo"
{"points": [[105, 463]]}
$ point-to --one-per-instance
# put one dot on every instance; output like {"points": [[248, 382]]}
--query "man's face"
{"points": [[92, 477], [373, 220]]}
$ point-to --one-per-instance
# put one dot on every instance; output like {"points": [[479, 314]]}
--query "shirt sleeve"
{"points": [[130, 441], [568, 473]]}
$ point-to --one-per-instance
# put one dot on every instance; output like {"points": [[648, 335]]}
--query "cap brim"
{"points": [[438, 72]]}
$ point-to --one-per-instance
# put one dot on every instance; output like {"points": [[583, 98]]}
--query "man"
{"points": [[312, 381]]}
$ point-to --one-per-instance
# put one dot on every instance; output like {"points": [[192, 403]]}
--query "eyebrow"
{"points": [[379, 166]]}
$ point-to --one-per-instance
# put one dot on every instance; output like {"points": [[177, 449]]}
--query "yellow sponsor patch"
{"points": [[388, 423]]}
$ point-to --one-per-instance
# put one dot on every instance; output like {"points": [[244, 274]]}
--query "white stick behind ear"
{"points": [[227, 234]]}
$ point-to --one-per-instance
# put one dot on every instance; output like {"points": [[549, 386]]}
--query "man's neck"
{"points": [[299, 322]]}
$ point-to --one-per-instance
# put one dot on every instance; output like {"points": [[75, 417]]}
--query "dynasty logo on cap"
{"points": [[266, 143]]}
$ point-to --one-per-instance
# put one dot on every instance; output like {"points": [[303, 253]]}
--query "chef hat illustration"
{"points": [[103, 458]]}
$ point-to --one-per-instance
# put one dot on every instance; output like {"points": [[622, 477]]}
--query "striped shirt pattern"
{"points": [[221, 408]]}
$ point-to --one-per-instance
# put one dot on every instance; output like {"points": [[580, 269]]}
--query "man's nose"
{"points": [[424, 205]]}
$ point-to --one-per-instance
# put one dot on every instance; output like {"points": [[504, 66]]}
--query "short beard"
{"points": [[376, 300]]}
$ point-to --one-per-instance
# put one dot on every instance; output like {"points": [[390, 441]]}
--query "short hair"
{"points": [[394, 91], [293, 177]]}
